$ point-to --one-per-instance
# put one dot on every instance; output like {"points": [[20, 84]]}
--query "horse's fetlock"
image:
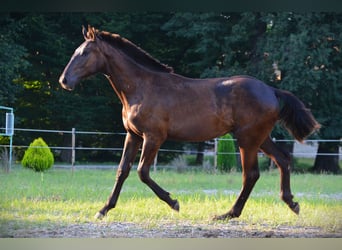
{"points": [[286, 197]]}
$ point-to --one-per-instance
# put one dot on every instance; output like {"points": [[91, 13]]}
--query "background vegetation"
{"points": [[300, 52], [226, 158]]}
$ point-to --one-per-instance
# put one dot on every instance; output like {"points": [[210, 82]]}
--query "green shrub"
{"points": [[226, 158], [38, 156]]}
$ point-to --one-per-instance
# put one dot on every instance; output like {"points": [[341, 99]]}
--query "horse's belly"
{"points": [[197, 130]]}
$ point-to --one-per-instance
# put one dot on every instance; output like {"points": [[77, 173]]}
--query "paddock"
{"points": [[60, 203]]}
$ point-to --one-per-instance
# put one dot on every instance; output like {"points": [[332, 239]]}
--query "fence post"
{"points": [[10, 132], [271, 161], [215, 152], [155, 162], [73, 153]]}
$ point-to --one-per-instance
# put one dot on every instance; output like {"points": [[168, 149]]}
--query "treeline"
{"points": [[299, 52]]}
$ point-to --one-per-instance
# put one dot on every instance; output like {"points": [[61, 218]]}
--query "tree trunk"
{"points": [[66, 153], [327, 158]]}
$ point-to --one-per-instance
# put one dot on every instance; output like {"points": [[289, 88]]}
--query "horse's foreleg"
{"points": [[149, 151], [131, 147], [282, 160], [250, 175]]}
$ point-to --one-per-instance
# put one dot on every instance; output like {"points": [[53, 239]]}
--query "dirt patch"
{"points": [[232, 229]]}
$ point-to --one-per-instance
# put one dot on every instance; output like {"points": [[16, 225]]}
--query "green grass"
{"points": [[60, 196]]}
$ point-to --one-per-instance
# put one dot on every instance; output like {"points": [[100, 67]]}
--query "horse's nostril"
{"points": [[63, 80]]}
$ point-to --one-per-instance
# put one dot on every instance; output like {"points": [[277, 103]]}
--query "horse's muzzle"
{"points": [[64, 83]]}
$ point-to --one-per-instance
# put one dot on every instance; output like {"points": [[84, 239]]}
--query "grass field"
{"points": [[61, 197]]}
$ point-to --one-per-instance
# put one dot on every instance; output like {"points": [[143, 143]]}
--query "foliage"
{"points": [[12, 60], [38, 156], [308, 58], [226, 158]]}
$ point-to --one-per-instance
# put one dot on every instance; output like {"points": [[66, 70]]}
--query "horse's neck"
{"points": [[125, 76]]}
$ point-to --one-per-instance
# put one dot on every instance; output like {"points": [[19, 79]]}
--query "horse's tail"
{"points": [[296, 118]]}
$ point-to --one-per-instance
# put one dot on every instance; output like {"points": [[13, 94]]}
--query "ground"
{"points": [[23, 218], [232, 229]]}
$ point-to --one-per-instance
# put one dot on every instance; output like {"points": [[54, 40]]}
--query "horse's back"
{"points": [[247, 91]]}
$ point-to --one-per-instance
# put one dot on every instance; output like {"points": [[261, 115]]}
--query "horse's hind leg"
{"points": [[250, 175], [149, 151], [282, 160]]}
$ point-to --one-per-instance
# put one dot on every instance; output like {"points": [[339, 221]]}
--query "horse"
{"points": [[159, 105]]}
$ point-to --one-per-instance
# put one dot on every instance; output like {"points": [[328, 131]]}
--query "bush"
{"points": [[179, 163], [226, 158], [38, 156]]}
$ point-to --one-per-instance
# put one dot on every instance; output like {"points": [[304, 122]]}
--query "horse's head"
{"points": [[85, 61]]}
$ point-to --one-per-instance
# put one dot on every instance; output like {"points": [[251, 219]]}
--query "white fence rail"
{"points": [[306, 150]]}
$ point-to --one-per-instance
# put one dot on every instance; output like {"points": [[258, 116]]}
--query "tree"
{"points": [[226, 159], [12, 60], [306, 49], [38, 156], [202, 38]]}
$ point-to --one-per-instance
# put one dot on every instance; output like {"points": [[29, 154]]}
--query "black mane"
{"points": [[134, 52]]}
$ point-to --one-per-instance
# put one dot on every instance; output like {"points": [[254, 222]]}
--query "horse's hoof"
{"points": [[176, 206], [99, 216], [295, 208]]}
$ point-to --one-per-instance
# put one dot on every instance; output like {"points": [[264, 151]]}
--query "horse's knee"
{"points": [[252, 176], [122, 174]]}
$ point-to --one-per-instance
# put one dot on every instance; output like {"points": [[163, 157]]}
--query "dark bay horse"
{"points": [[160, 105]]}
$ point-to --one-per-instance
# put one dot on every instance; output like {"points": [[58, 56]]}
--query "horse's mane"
{"points": [[133, 51]]}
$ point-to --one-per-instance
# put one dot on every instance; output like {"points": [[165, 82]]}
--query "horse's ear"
{"points": [[91, 33], [84, 32]]}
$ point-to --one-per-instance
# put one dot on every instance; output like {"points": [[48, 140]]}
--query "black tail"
{"points": [[296, 118]]}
